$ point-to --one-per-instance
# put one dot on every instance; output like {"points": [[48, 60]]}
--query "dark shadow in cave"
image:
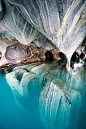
{"points": [[63, 57], [19, 76], [49, 56], [75, 57], [2, 12], [82, 55]]}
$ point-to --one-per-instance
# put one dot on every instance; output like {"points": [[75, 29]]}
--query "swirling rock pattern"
{"points": [[15, 26], [46, 23], [60, 21]]}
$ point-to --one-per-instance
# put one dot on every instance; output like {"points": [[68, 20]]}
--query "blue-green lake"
{"points": [[43, 97]]}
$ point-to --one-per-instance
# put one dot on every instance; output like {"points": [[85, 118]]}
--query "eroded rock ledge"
{"points": [[17, 55]]}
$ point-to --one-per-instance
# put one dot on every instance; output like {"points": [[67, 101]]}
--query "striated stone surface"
{"points": [[63, 26], [14, 26], [61, 21], [33, 59]]}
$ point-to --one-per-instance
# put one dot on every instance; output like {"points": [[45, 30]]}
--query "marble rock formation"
{"points": [[14, 26], [62, 22], [79, 57], [62, 26], [15, 52], [56, 54]]}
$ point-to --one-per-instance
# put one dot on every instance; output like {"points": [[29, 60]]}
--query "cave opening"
{"points": [[75, 57], [62, 56], [49, 56]]}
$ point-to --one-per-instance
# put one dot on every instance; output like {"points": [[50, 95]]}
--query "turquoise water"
{"points": [[43, 97], [11, 116]]}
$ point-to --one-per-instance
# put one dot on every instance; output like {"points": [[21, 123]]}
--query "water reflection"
{"points": [[58, 95]]}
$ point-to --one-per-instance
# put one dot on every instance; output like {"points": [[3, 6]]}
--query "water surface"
{"points": [[43, 96]]}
